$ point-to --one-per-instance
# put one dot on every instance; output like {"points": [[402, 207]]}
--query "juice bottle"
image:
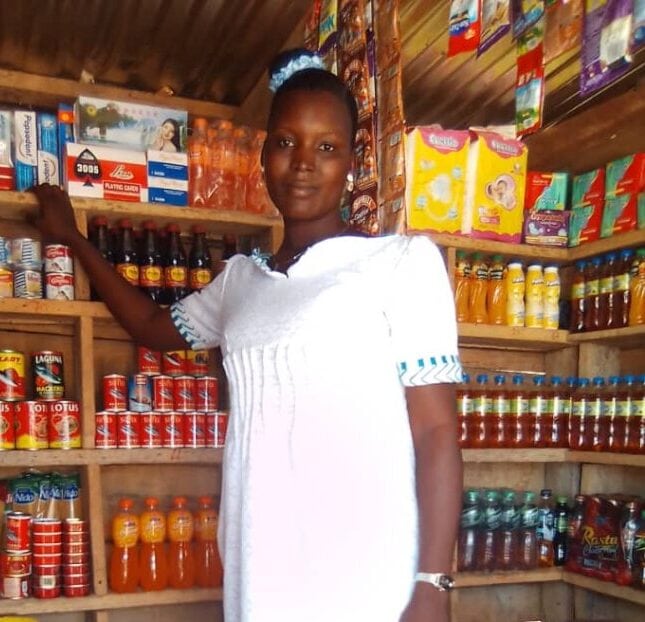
{"points": [[597, 423], [629, 523], [477, 312], [200, 265], [623, 293], [462, 287], [637, 291], [221, 187], [496, 294], [125, 257], [464, 411], [527, 535], [578, 301], [469, 526], [560, 548], [534, 297], [241, 139], [489, 532], [559, 416], [579, 410], [515, 290], [592, 294], [181, 560], [257, 197], [175, 266], [482, 407], [519, 413], [607, 289], [497, 431], [198, 164], [545, 528], [208, 567], [551, 298], [124, 558], [627, 409], [617, 424], [538, 423], [569, 391], [153, 560], [150, 264], [506, 554], [639, 413]]}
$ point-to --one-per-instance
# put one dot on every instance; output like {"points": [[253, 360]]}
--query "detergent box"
{"points": [[584, 223], [546, 191], [620, 215], [625, 175], [588, 187], [495, 186], [435, 171], [547, 228]]}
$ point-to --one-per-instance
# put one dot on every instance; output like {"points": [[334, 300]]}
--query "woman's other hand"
{"points": [[55, 216]]}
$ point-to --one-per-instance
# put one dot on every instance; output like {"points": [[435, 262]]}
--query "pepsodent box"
{"points": [[6, 163], [48, 167], [26, 149]]}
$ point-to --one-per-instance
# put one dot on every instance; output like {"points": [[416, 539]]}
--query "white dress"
{"points": [[318, 510]]}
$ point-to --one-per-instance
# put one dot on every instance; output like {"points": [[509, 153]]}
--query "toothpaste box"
{"points": [[105, 173], [65, 123], [26, 149], [547, 228], [6, 163], [584, 223], [546, 191], [588, 188], [47, 131], [625, 175], [620, 215]]}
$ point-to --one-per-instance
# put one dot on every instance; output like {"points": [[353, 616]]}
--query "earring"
{"points": [[350, 182]]}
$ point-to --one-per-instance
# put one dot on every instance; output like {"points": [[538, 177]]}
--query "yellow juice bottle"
{"points": [[515, 288], [534, 297]]}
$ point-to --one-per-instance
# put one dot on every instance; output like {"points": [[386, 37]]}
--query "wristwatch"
{"points": [[443, 582]]}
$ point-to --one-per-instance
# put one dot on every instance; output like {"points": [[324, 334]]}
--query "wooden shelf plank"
{"points": [[605, 587], [631, 239], [514, 455], [53, 309], [479, 579], [628, 337], [511, 337], [600, 457]]}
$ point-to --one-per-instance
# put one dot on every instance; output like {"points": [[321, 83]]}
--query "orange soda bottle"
{"points": [[462, 286], [496, 293], [153, 560], [242, 166], [477, 312], [637, 290], [198, 164], [181, 561], [208, 566], [124, 559]]}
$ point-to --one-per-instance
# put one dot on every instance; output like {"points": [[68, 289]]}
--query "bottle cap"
{"points": [[556, 380], [583, 382], [99, 221], [580, 264], [598, 381], [572, 381], [482, 378], [500, 379], [200, 124], [546, 492], [563, 500], [611, 256], [172, 227], [205, 500], [124, 223], [126, 503], [538, 381], [596, 261], [197, 228], [151, 502], [150, 225], [465, 378], [518, 379], [179, 502], [626, 253]]}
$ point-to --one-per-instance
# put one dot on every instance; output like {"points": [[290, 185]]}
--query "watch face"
{"points": [[446, 582]]}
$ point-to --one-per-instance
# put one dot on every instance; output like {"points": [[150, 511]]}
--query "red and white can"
{"points": [[75, 526], [194, 429], [139, 393], [74, 580], [17, 532], [48, 562], [206, 394], [12, 375], [149, 361], [172, 429], [15, 588], [115, 392], [64, 425], [72, 591], [42, 587], [151, 429], [31, 425], [173, 363], [58, 258], [72, 549], [46, 525], [105, 435], [15, 564], [59, 286], [197, 362], [47, 544], [128, 430], [162, 393], [7, 425], [184, 393], [216, 425]]}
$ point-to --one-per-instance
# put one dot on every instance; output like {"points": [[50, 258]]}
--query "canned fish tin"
{"points": [[151, 430], [24, 251], [5, 250], [172, 429], [149, 361], [72, 591], [197, 362], [114, 392], [105, 430], [195, 429], [206, 394], [162, 393], [173, 363], [128, 431], [7, 425], [15, 564], [31, 425], [64, 425], [59, 286], [75, 525], [58, 258], [27, 282], [139, 393], [12, 375], [17, 532], [216, 425], [15, 588], [6, 282], [184, 393], [47, 367]]}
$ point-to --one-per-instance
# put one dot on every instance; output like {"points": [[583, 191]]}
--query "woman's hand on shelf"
{"points": [[55, 217]]}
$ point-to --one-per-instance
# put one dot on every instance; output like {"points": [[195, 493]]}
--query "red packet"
{"points": [[529, 85], [465, 26]]}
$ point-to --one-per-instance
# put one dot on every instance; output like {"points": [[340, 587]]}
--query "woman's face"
{"points": [[307, 155], [167, 131]]}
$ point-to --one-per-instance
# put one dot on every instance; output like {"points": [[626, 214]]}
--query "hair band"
{"points": [[302, 62]]}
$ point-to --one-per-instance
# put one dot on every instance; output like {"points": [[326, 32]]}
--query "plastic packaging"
{"points": [[124, 559], [208, 566], [478, 313], [534, 297], [515, 290], [462, 286], [181, 559], [153, 559], [496, 292]]}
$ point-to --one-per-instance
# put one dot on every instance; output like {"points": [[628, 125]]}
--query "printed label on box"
{"points": [[588, 188], [619, 215], [584, 223]]}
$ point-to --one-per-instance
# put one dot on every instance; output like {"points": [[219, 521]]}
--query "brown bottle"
{"points": [[150, 263], [126, 259], [100, 238], [592, 294], [200, 272], [578, 298], [175, 267], [607, 289], [621, 310]]}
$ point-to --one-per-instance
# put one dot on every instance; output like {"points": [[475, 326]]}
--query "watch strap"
{"points": [[441, 581]]}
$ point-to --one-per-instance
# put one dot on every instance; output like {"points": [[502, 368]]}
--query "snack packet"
{"points": [[563, 27], [525, 14], [465, 26], [496, 22], [530, 81]]}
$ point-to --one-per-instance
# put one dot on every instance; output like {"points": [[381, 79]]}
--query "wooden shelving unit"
{"points": [[631, 239], [628, 337], [511, 337], [605, 587], [511, 456], [481, 579]]}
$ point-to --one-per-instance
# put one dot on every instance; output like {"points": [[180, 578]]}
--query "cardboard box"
{"points": [[546, 191], [547, 228], [26, 149], [65, 123], [641, 211], [167, 165], [625, 176], [169, 191], [6, 163], [584, 223], [619, 215], [48, 166], [588, 188]]}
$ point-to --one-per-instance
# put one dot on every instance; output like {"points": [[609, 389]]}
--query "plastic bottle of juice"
{"points": [[578, 301], [610, 408], [527, 538], [464, 411], [241, 139], [519, 413], [462, 286], [627, 409], [534, 296], [515, 290], [623, 291], [639, 413], [607, 286], [559, 415], [482, 408], [599, 421], [551, 298], [222, 167], [181, 560], [497, 432], [569, 391], [198, 164], [208, 566], [469, 527], [546, 528], [560, 548], [489, 533], [257, 197], [579, 410], [124, 559], [637, 291], [153, 559], [477, 312], [592, 294], [538, 423], [506, 554], [496, 294]]}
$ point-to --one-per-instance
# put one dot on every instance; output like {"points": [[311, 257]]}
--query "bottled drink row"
{"points": [[608, 291], [601, 414], [493, 292]]}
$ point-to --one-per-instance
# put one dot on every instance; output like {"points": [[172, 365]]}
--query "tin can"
{"points": [[6, 282], [46, 543], [5, 250], [149, 361], [24, 251], [7, 425], [15, 564], [151, 430], [114, 392], [58, 258], [72, 549], [105, 435], [194, 429], [46, 591], [47, 368], [75, 526], [48, 562], [197, 362], [216, 425], [75, 580], [12, 375], [72, 591], [27, 282], [64, 425], [17, 532], [128, 430], [184, 393], [172, 429], [31, 425], [59, 286], [14, 588], [162, 393], [139, 393], [206, 394], [174, 363]]}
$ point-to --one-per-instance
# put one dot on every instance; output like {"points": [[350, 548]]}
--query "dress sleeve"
{"points": [[421, 312]]}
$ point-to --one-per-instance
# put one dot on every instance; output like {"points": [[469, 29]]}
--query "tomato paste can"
{"points": [[7, 425], [72, 591], [46, 587], [194, 429], [58, 258], [206, 393], [64, 425], [105, 434], [115, 392], [49, 380], [172, 429], [24, 251], [216, 425], [14, 564], [197, 362], [31, 425], [12, 375], [17, 532], [59, 286], [184, 393], [151, 430], [75, 526], [162, 393], [139, 393], [149, 361], [27, 282], [15, 588], [128, 430], [173, 363], [6, 281]]}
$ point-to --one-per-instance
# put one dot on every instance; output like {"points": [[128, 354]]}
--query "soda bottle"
{"points": [[558, 415], [623, 291], [477, 312], [627, 409], [592, 294], [100, 238], [638, 555], [561, 528], [221, 187], [497, 431], [637, 290], [489, 532], [551, 298], [257, 197], [527, 536], [520, 423], [571, 386], [617, 425], [538, 418], [181, 560], [534, 297], [507, 540], [124, 558], [200, 271], [197, 148], [597, 425], [125, 258], [607, 288], [208, 567], [482, 406], [175, 266], [150, 264], [515, 290], [462, 286], [579, 410], [578, 300], [464, 411], [469, 525], [153, 560], [545, 528], [242, 165], [496, 292]]}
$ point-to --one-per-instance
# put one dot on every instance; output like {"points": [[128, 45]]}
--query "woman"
{"points": [[342, 476], [167, 138]]}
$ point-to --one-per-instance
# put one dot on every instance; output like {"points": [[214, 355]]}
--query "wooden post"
{"points": [[84, 365], [94, 490]]}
